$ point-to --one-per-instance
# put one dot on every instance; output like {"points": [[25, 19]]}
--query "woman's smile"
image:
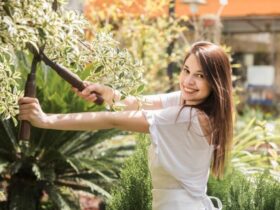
{"points": [[190, 90]]}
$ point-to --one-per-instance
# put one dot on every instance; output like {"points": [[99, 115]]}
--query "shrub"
{"points": [[239, 192], [267, 193], [133, 192]]}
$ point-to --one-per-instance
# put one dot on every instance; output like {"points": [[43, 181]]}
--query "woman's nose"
{"points": [[189, 80]]}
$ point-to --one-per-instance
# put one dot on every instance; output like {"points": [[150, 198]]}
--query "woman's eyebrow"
{"points": [[198, 71]]}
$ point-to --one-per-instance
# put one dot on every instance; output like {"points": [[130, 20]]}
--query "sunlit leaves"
{"points": [[149, 41], [146, 35], [9, 77], [115, 67], [255, 148], [61, 34]]}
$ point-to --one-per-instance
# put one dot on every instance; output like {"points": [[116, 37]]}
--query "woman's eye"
{"points": [[200, 75], [186, 71]]}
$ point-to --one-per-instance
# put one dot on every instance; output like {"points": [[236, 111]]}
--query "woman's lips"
{"points": [[190, 91]]}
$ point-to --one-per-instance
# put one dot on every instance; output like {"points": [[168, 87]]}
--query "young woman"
{"points": [[191, 129]]}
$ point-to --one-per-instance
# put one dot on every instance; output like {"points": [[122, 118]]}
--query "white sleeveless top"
{"points": [[179, 156]]}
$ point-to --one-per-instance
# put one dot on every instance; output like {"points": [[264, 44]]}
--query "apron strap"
{"points": [[207, 201]]}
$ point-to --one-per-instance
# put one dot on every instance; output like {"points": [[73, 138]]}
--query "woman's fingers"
{"points": [[27, 100], [91, 97], [25, 116], [89, 93], [93, 91], [87, 83], [93, 88], [24, 111], [30, 110], [28, 105]]}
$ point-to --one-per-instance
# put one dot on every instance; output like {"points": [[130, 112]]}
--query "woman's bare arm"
{"points": [[113, 98], [31, 111]]}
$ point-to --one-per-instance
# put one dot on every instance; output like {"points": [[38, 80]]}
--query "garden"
{"points": [[136, 55]]}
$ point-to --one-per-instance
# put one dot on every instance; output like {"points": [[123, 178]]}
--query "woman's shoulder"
{"points": [[173, 115], [170, 99]]}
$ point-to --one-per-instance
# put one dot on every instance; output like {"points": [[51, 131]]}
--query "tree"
{"points": [[55, 163], [61, 33]]}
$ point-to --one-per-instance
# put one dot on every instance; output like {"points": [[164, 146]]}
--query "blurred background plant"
{"points": [[256, 147], [256, 135], [152, 35]]}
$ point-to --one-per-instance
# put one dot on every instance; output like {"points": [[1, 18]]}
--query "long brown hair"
{"points": [[218, 106]]}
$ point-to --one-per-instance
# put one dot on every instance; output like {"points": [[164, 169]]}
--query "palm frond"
{"points": [[82, 185], [254, 148], [95, 188], [58, 199], [8, 127]]}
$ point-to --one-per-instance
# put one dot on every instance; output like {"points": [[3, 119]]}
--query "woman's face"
{"points": [[193, 84]]}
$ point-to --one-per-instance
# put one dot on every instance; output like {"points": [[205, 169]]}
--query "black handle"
{"points": [[69, 76]]}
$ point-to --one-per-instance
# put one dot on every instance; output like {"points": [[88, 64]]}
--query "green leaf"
{"points": [[3, 167], [140, 88], [42, 33], [37, 171], [57, 197], [98, 68], [95, 188]]}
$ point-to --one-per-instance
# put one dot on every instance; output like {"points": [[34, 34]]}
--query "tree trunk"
{"points": [[24, 192]]}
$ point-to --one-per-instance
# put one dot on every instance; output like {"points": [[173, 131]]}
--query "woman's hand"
{"points": [[107, 93], [30, 110]]}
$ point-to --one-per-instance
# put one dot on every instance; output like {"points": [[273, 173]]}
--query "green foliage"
{"points": [[240, 192], [39, 23], [256, 145], [53, 160], [114, 67], [145, 36], [149, 40], [233, 190], [267, 192], [133, 192], [9, 90], [58, 163], [61, 35]]}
